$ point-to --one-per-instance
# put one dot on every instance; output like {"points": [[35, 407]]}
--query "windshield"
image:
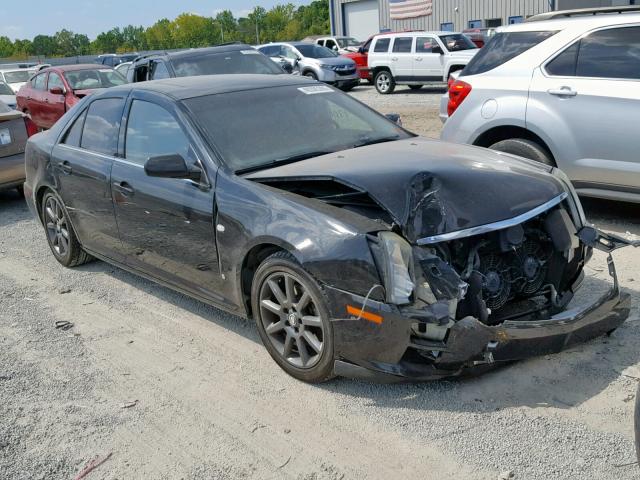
{"points": [[348, 42], [90, 78], [457, 42], [5, 89], [17, 76], [239, 61], [315, 51], [312, 120]]}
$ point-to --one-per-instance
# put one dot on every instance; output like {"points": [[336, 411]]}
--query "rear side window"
{"points": [[503, 47], [72, 138], [564, 65], [402, 45], [245, 61], [382, 45], [159, 71], [38, 81], [102, 125]]}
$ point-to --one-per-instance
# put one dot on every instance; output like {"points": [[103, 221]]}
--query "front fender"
{"points": [[329, 242]]}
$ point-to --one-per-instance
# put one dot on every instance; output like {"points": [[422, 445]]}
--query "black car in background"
{"points": [[234, 58], [113, 59], [359, 248]]}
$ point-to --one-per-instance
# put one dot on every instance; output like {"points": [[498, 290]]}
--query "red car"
{"points": [[54, 90]]}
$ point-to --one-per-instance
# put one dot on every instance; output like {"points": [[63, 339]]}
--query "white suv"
{"points": [[416, 58], [562, 88]]}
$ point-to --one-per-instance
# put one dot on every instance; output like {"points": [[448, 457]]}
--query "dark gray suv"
{"points": [[222, 59]]}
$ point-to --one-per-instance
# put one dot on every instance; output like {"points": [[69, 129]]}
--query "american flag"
{"points": [[410, 8]]}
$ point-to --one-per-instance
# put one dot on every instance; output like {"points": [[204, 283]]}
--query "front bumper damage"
{"points": [[387, 350]]}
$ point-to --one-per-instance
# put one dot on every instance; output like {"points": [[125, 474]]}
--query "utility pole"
{"points": [[257, 33], [222, 32]]}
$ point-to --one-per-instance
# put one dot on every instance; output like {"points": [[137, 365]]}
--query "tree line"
{"points": [[282, 22]]}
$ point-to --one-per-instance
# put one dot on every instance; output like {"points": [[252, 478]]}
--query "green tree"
{"points": [[158, 35], [44, 45], [228, 26], [190, 31], [108, 42], [6, 47]]}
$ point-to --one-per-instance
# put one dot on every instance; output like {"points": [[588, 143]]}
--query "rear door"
{"points": [[591, 98], [158, 70], [13, 136], [427, 65], [402, 58], [52, 107], [166, 225], [82, 163]]}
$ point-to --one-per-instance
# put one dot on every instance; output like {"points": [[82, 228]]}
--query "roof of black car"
{"points": [[224, 48], [182, 88]]}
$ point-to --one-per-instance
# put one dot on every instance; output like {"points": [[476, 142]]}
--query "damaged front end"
{"points": [[491, 293]]}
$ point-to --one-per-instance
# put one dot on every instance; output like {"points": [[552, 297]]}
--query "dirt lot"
{"points": [[172, 388]]}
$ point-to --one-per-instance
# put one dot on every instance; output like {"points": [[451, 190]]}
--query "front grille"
{"points": [[344, 73]]}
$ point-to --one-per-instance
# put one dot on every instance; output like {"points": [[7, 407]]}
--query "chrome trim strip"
{"points": [[490, 227]]}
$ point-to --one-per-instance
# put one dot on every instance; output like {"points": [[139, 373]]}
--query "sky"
{"points": [[93, 16]]}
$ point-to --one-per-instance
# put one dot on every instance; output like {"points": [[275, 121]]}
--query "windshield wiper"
{"points": [[373, 141], [282, 161]]}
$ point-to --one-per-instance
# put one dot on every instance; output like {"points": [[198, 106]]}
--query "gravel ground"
{"points": [[172, 388]]}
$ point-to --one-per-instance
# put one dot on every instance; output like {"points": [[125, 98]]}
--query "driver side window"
{"points": [[288, 52], [153, 131]]}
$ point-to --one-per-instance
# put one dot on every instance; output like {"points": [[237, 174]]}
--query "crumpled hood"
{"points": [[431, 187]]}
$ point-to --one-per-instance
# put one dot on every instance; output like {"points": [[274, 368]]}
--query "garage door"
{"points": [[361, 19]]}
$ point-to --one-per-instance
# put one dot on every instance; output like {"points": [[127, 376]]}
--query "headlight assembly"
{"points": [[397, 264], [574, 195]]}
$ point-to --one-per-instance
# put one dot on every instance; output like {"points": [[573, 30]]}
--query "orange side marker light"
{"points": [[358, 312]]}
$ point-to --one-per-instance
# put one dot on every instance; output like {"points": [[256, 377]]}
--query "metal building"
{"points": [[363, 18]]}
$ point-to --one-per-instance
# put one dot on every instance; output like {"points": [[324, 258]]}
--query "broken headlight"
{"points": [[576, 205], [397, 262]]}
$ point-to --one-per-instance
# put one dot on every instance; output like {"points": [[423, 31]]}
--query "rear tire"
{"points": [[60, 235], [415, 87], [524, 148], [384, 82], [292, 317]]}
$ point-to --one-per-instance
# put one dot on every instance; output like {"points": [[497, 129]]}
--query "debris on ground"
{"points": [[92, 465]]}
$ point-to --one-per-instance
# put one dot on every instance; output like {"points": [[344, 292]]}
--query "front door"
{"points": [[402, 59], [166, 224], [82, 163], [427, 65], [53, 103], [591, 91]]}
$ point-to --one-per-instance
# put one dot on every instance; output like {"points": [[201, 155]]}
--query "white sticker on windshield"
{"points": [[316, 89], [250, 52]]}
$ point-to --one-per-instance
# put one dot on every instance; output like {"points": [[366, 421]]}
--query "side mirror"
{"points": [[395, 118], [170, 166], [57, 91], [287, 67], [437, 50], [334, 48]]}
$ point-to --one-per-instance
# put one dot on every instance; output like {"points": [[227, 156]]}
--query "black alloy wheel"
{"points": [[292, 318]]}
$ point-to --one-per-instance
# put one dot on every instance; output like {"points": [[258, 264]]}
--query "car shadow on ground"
{"points": [[403, 89], [563, 380]]}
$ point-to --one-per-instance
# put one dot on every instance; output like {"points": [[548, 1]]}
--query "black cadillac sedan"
{"points": [[359, 248]]}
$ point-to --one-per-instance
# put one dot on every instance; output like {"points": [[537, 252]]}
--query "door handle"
{"points": [[46, 100], [124, 188], [394, 59], [562, 92], [419, 59], [65, 167]]}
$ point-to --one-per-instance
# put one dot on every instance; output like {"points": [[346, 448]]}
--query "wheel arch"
{"points": [[505, 132], [453, 68]]}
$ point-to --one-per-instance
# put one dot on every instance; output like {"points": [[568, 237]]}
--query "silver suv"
{"points": [[315, 61], [562, 88]]}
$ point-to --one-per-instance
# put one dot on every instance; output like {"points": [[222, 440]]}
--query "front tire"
{"points": [[524, 148], [384, 82], [60, 235], [311, 74], [293, 319]]}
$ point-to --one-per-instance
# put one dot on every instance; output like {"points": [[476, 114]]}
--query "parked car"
{"points": [[314, 61], [113, 60], [235, 58], [340, 45], [442, 258], [559, 89], [479, 36], [123, 68], [13, 137], [361, 57], [7, 95], [53, 91], [416, 58], [16, 77]]}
